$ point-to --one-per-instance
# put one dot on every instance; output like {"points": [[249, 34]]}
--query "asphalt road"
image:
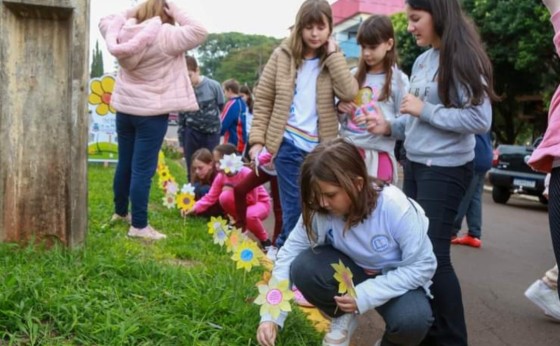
{"points": [[516, 251]]}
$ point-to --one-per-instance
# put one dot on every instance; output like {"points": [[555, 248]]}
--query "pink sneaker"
{"points": [[300, 299], [147, 232]]}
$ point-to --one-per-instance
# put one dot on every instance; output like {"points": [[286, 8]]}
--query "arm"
{"points": [[230, 114], [344, 84], [189, 34], [212, 196], [418, 263], [264, 101]]}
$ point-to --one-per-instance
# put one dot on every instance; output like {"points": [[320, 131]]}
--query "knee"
{"points": [[410, 328]]}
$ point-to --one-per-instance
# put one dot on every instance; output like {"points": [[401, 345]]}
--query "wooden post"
{"points": [[43, 120]]}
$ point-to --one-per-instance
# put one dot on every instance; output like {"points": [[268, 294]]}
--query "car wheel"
{"points": [[543, 199], [500, 194]]}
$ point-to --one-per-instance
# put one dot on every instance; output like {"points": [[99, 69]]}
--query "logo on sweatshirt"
{"points": [[380, 243]]}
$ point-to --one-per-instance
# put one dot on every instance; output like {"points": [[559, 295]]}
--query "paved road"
{"points": [[516, 251]]}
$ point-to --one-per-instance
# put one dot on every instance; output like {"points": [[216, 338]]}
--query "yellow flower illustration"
{"points": [[185, 201], [344, 277], [221, 236], [274, 298], [101, 92], [246, 255], [169, 200], [235, 238], [216, 223]]}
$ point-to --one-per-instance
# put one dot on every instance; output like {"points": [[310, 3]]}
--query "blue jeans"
{"points": [[439, 191], [287, 163], [471, 207], [407, 317], [139, 139]]}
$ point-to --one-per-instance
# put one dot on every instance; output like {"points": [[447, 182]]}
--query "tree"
{"points": [[96, 62], [232, 47], [407, 48]]}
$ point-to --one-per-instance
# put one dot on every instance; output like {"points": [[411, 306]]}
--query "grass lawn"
{"points": [[114, 290]]}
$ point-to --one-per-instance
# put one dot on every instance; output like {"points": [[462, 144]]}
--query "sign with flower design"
{"points": [[102, 139], [344, 276], [247, 255], [231, 163], [274, 297]]}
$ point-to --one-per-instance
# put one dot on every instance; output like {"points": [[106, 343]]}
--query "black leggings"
{"points": [[554, 213], [439, 190]]}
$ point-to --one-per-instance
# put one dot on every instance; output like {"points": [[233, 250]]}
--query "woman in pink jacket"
{"points": [[149, 42], [546, 158]]}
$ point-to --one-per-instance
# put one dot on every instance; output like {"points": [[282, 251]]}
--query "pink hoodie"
{"points": [[549, 149], [152, 78]]}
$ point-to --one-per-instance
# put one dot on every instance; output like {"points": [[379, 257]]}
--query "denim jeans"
{"points": [[139, 139], [288, 162], [471, 207], [407, 318], [439, 191]]}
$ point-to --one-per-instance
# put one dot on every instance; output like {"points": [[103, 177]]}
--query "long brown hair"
{"points": [[310, 12], [463, 62], [153, 8], [375, 30], [339, 163], [205, 156]]}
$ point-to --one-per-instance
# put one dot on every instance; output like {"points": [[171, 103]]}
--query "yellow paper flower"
{"points": [[216, 223], [221, 236], [235, 238], [344, 277], [185, 201], [246, 255], [161, 158], [169, 200], [101, 92], [274, 298]]}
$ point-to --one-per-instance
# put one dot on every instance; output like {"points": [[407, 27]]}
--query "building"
{"points": [[348, 14]]}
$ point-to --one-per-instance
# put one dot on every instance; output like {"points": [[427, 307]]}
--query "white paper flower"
{"points": [[188, 189], [231, 163], [169, 200], [171, 188]]}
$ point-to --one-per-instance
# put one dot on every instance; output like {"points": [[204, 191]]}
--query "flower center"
{"points": [[246, 255], [274, 296]]}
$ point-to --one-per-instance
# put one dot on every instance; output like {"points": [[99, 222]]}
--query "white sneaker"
{"points": [[545, 298], [271, 252], [146, 232], [341, 330], [116, 218]]}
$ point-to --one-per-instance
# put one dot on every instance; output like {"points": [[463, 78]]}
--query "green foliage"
{"points": [[235, 55], [406, 44], [96, 62], [115, 290], [518, 39]]}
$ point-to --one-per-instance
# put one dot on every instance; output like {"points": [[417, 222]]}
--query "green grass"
{"points": [[184, 290]]}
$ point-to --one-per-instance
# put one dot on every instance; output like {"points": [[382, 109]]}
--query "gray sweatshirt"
{"points": [[440, 136]]}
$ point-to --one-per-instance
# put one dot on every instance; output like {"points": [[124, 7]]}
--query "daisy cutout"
{"points": [[231, 163], [246, 255], [344, 277], [188, 188], [274, 298], [216, 223], [235, 239], [221, 236], [184, 201], [169, 200], [171, 188]]}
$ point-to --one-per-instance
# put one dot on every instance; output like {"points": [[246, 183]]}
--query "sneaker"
{"points": [[300, 299], [467, 240], [116, 218], [545, 298], [271, 252], [146, 232], [341, 330]]}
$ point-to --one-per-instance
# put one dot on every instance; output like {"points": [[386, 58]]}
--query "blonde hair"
{"points": [[153, 8], [310, 12]]}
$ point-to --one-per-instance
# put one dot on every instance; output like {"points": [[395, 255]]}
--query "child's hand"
{"points": [[266, 333], [346, 107], [331, 45], [185, 213], [375, 122], [552, 5], [255, 150], [412, 105], [346, 303]]}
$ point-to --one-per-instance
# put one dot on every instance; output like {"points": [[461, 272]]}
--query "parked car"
{"points": [[511, 174]]}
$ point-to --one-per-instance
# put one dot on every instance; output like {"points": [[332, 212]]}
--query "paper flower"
{"points": [[169, 200], [221, 236], [235, 239], [188, 188], [171, 188], [274, 298], [185, 201], [246, 255], [344, 277], [231, 163], [101, 92], [216, 223]]}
